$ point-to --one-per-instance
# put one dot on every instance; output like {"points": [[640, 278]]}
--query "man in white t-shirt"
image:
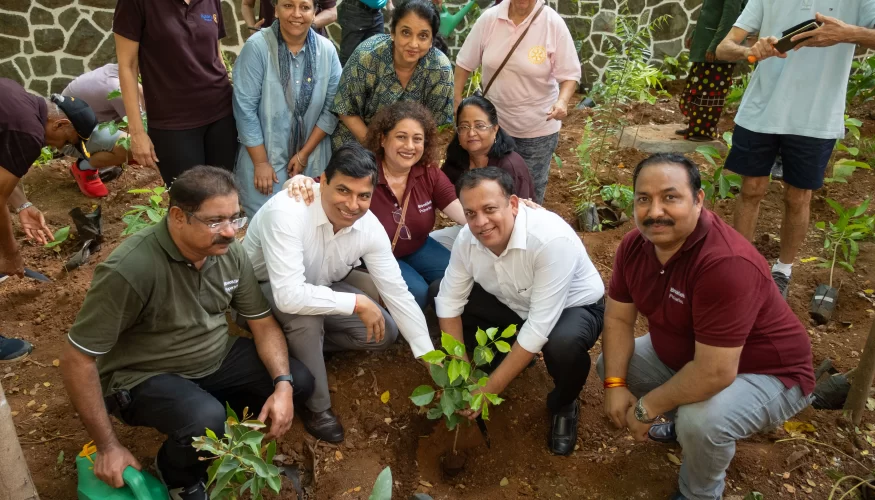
{"points": [[514, 265], [794, 103]]}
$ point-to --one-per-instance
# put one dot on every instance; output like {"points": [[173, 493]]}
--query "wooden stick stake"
{"points": [[862, 381], [15, 480]]}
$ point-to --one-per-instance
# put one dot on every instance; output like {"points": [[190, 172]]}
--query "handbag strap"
{"points": [[401, 223], [512, 49]]}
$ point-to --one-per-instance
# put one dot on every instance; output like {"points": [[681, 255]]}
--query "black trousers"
{"points": [[358, 22], [178, 150], [183, 408], [566, 352]]}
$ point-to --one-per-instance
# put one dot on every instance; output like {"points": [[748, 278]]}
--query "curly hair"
{"points": [[388, 117]]}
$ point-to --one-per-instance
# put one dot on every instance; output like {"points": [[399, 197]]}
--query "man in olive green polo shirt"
{"points": [[152, 335]]}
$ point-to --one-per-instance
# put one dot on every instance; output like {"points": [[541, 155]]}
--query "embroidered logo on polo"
{"points": [[676, 295], [231, 285], [537, 54], [424, 207], [210, 17]]}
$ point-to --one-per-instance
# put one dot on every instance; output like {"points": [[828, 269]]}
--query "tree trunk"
{"points": [[862, 380], [15, 480]]}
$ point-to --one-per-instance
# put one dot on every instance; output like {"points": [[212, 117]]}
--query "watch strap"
{"points": [[641, 413], [284, 378]]}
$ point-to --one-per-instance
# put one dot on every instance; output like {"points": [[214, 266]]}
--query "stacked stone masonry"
{"points": [[44, 44]]}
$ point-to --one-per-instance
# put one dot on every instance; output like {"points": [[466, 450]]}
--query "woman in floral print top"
{"points": [[403, 66]]}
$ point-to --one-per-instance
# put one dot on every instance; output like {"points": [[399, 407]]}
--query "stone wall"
{"points": [[46, 43]]}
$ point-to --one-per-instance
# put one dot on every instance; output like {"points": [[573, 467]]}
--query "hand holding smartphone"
{"points": [[785, 43]]}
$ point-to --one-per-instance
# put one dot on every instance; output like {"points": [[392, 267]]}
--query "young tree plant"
{"points": [[459, 380], [719, 185], [241, 462], [842, 236], [61, 235], [143, 216]]}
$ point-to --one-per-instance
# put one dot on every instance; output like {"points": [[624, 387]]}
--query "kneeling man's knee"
{"points": [[701, 423]]}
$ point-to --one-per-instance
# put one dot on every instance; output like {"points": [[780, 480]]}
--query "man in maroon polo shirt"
{"points": [[725, 356]]}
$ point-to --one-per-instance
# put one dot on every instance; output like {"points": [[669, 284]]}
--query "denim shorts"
{"points": [[805, 158]]}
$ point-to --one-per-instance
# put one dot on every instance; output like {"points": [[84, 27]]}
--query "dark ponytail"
{"points": [[426, 10]]}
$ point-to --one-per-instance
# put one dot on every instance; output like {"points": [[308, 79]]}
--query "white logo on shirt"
{"points": [[231, 285], [424, 207], [676, 295]]}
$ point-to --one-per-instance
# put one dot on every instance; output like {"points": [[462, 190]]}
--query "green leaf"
{"points": [[115, 94], [153, 215], [434, 357], [454, 370], [383, 486], [490, 332], [448, 406], [493, 398], [483, 355], [477, 401], [754, 495], [820, 225], [159, 190], [508, 332], [434, 413], [502, 346], [464, 371], [482, 381], [275, 483], [451, 345], [140, 191], [860, 210], [231, 413], [226, 471], [481, 337], [837, 208], [422, 395], [61, 236], [270, 452], [439, 375], [452, 421], [485, 412]]}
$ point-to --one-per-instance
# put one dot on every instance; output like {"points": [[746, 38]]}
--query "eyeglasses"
{"points": [[479, 128], [217, 227], [404, 233]]}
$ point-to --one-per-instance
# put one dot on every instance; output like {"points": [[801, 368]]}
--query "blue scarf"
{"points": [[298, 136]]}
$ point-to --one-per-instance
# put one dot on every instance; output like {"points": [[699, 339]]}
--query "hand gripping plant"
{"points": [[459, 380]]}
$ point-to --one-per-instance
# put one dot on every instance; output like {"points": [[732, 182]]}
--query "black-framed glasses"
{"points": [[216, 227], [479, 128], [404, 233]]}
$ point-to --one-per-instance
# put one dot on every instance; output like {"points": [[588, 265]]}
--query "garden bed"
{"points": [[607, 463]]}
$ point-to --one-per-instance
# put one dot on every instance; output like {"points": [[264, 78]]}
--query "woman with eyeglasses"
{"points": [[481, 142], [410, 189]]}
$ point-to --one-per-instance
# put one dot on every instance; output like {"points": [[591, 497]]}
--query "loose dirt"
{"points": [[607, 463]]}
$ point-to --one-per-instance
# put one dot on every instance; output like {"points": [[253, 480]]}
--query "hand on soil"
{"points": [[636, 428], [34, 225], [280, 409], [618, 401], [111, 462]]}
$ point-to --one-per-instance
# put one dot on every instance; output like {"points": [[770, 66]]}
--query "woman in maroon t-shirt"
{"points": [[410, 188]]}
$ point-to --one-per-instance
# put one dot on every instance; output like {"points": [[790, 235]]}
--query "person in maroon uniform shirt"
{"points": [[725, 356]]}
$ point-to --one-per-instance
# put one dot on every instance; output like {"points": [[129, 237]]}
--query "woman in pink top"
{"points": [[532, 90]]}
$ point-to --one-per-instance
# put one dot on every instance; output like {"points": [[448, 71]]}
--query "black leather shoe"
{"points": [[563, 430], [677, 496], [663, 433], [322, 425]]}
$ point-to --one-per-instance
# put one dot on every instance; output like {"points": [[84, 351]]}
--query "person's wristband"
{"points": [[284, 378], [24, 206], [298, 159], [614, 382]]}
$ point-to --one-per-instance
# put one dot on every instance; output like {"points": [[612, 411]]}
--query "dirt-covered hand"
{"points": [[265, 178], [34, 225], [371, 315], [618, 401], [143, 150], [12, 264], [301, 187], [112, 462], [638, 429], [280, 409]]}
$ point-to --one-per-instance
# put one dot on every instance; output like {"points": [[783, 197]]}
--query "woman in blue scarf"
{"points": [[284, 81]]}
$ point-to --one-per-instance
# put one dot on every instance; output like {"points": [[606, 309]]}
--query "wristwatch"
{"points": [[641, 413], [284, 378]]}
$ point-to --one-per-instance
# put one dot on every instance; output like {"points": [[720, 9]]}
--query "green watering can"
{"points": [[450, 21], [138, 485]]}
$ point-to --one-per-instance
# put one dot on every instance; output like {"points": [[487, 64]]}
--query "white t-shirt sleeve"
{"points": [[751, 18], [471, 54], [866, 17]]}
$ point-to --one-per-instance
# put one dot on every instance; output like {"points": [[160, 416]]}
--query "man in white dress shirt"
{"points": [[515, 265], [302, 254]]}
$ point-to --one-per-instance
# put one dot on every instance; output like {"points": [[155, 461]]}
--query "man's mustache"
{"points": [[665, 222], [222, 240]]}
